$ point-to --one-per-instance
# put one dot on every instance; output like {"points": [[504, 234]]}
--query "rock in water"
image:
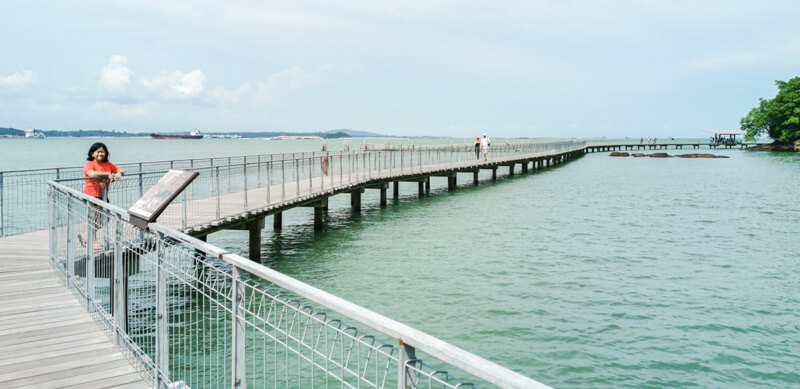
{"points": [[618, 154], [638, 155], [701, 156], [660, 155]]}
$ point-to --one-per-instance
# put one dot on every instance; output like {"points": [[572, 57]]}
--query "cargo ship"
{"points": [[192, 135]]}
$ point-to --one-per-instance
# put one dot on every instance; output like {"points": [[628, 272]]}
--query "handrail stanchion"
{"points": [[407, 356], [244, 172], [70, 255], [162, 324], [296, 177], [216, 175], [269, 180], [283, 178], [89, 264], [238, 335], [118, 286], [183, 209], [258, 175]]}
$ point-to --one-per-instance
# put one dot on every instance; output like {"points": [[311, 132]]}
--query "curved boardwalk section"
{"points": [[47, 339]]}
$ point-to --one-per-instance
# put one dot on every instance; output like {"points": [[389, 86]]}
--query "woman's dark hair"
{"points": [[95, 147]]}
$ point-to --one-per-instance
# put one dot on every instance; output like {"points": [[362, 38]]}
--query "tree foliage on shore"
{"points": [[778, 118]]}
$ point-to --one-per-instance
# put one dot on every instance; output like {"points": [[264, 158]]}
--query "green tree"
{"points": [[779, 117]]}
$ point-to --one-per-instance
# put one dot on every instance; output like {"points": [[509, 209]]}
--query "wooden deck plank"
{"points": [[59, 363], [39, 376], [52, 332], [50, 355], [100, 378], [55, 343], [112, 382]]}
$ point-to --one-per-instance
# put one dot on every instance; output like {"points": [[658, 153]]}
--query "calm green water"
{"points": [[601, 272]]}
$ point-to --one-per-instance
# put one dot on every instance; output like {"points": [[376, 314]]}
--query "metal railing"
{"points": [[220, 193], [185, 312], [22, 193], [23, 201]]}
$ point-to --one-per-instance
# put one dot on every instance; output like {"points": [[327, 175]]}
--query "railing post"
{"points": [[183, 209], [244, 172], [296, 177], [162, 324], [70, 266], [405, 377], [52, 228], [216, 179], [283, 178], [269, 180], [258, 173], [238, 361], [118, 287], [89, 264]]}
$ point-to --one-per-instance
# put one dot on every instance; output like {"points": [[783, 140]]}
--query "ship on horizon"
{"points": [[192, 135]]}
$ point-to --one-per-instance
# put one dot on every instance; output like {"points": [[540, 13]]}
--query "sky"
{"points": [[535, 68]]}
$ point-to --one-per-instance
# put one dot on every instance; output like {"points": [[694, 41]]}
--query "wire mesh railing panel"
{"points": [[183, 311]]}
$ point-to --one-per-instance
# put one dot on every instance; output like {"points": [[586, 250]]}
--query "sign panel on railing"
{"points": [[156, 200]]}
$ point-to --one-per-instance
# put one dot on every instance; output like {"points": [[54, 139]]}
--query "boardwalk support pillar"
{"points": [[355, 199], [511, 169], [525, 166], [396, 190], [254, 228], [319, 209], [277, 221], [428, 185], [383, 187], [421, 188], [475, 177], [451, 182], [494, 174]]}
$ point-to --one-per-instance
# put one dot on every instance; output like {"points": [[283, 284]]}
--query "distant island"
{"points": [[331, 134]]}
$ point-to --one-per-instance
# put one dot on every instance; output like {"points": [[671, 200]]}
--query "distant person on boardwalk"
{"points": [[99, 172], [477, 146], [485, 143]]}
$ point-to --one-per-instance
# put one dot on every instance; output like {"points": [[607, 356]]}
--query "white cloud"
{"points": [[177, 84], [115, 75], [19, 79]]}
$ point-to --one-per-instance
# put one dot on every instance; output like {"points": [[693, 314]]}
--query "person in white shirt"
{"points": [[485, 143]]}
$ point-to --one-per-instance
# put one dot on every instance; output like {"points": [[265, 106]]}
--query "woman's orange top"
{"points": [[94, 187]]}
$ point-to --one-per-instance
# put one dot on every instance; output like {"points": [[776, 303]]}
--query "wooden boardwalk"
{"points": [[213, 213], [47, 339]]}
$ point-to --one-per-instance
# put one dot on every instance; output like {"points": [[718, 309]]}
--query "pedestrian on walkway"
{"points": [[99, 173], [485, 143], [477, 147]]}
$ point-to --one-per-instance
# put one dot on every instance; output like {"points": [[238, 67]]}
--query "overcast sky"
{"points": [[451, 68]]}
